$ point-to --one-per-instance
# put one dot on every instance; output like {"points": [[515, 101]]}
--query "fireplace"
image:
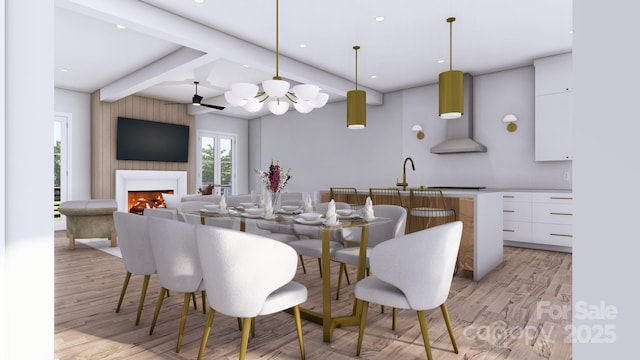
{"points": [[145, 187]]}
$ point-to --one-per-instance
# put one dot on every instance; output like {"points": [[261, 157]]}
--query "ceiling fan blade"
{"points": [[213, 106]]}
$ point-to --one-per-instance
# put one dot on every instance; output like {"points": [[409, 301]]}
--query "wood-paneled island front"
{"points": [[481, 214]]}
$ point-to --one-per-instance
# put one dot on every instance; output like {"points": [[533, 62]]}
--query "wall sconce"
{"points": [[510, 120], [418, 129]]}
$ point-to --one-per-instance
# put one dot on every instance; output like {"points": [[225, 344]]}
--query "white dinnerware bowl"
{"points": [[247, 205], [290, 207], [254, 211], [212, 207], [344, 212], [310, 216]]}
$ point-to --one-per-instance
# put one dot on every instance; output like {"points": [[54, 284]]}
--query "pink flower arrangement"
{"points": [[275, 179]]}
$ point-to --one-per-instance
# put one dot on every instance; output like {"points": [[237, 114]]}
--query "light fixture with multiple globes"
{"points": [[356, 103], [276, 93], [451, 85]]}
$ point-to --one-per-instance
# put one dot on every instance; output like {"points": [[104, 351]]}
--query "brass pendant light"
{"points": [[356, 103], [451, 86]]}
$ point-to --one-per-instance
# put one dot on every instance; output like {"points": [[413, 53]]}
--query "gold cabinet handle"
{"points": [[560, 198], [508, 196], [563, 235], [508, 230], [563, 214], [509, 211]]}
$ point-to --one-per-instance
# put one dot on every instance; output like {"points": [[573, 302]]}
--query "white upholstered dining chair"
{"points": [[246, 276], [378, 232], [135, 246], [174, 248], [415, 272]]}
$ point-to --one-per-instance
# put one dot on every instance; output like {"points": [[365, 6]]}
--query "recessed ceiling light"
{"points": [[245, 65], [571, 31], [440, 61], [374, 77], [64, 70], [303, 45], [379, 18], [120, 26], [199, 1]]}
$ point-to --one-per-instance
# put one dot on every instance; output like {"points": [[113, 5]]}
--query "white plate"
{"points": [[309, 222], [253, 216], [209, 211], [350, 217]]}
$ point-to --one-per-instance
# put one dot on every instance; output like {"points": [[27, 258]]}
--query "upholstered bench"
{"points": [[89, 219]]}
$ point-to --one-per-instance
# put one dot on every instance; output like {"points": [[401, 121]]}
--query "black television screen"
{"points": [[151, 141]]}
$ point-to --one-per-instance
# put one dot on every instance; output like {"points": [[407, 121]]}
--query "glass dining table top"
{"points": [[286, 222]]}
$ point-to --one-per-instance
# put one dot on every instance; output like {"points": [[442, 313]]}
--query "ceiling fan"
{"points": [[197, 100]]}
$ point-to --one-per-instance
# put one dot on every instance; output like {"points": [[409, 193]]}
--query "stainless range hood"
{"points": [[460, 131]]}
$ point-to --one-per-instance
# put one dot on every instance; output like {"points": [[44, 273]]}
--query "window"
{"points": [[215, 161]]}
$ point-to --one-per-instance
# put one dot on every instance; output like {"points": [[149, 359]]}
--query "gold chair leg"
{"points": [[296, 313], [363, 320], [157, 311], [394, 316], [304, 269], [239, 324], [206, 332], [124, 290], [342, 268], [346, 275], [143, 293], [320, 266], [425, 334], [195, 305], [204, 302], [447, 320], [183, 318], [253, 327], [246, 329]]}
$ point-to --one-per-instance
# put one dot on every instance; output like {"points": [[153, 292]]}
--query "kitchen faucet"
{"points": [[404, 173]]}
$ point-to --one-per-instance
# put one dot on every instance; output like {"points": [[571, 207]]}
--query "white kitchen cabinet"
{"points": [[538, 219], [553, 108]]}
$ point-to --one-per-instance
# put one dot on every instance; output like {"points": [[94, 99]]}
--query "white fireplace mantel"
{"points": [[148, 180]]}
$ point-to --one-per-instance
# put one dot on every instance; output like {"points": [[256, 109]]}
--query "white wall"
{"points": [[77, 104], [322, 152], [26, 262], [509, 161]]}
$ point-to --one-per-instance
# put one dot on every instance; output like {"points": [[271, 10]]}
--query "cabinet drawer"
{"points": [[553, 213], [553, 198], [516, 211], [552, 234], [516, 231], [516, 196]]}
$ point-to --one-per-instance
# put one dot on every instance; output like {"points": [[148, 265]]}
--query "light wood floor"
{"points": [[513, 313]]}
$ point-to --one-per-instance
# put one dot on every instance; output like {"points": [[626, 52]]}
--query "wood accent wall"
{"points": [[104, 116]]}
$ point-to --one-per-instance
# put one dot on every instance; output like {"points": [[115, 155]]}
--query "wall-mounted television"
{"points": [[151, 141]]}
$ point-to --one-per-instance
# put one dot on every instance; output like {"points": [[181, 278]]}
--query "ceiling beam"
{"points": [[164, 25]]}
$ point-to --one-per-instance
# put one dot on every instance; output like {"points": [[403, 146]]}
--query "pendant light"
{"points": [[305, 97], [356, 103], [451, 85]]}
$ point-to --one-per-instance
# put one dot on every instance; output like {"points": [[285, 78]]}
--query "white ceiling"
{"points": [[167, 44]]}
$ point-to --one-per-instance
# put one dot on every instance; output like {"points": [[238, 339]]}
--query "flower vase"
{"points": [[275, 200]]}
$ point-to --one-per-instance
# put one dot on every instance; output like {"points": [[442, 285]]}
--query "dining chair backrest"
{"points": [[194, 205], [379, 232], [165, 213], [134, 243], [381, 196], [420, 264], [346, 194], [174, 248], [241, 269], [235, 200]]}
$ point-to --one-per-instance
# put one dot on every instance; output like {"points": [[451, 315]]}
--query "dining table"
{"points": [[287, 220]]}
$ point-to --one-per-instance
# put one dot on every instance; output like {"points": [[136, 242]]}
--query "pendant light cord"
{"points": [[356, 49], [277, 77]]}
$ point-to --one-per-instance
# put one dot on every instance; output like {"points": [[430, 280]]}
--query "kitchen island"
{"points": [[481, 214]]}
